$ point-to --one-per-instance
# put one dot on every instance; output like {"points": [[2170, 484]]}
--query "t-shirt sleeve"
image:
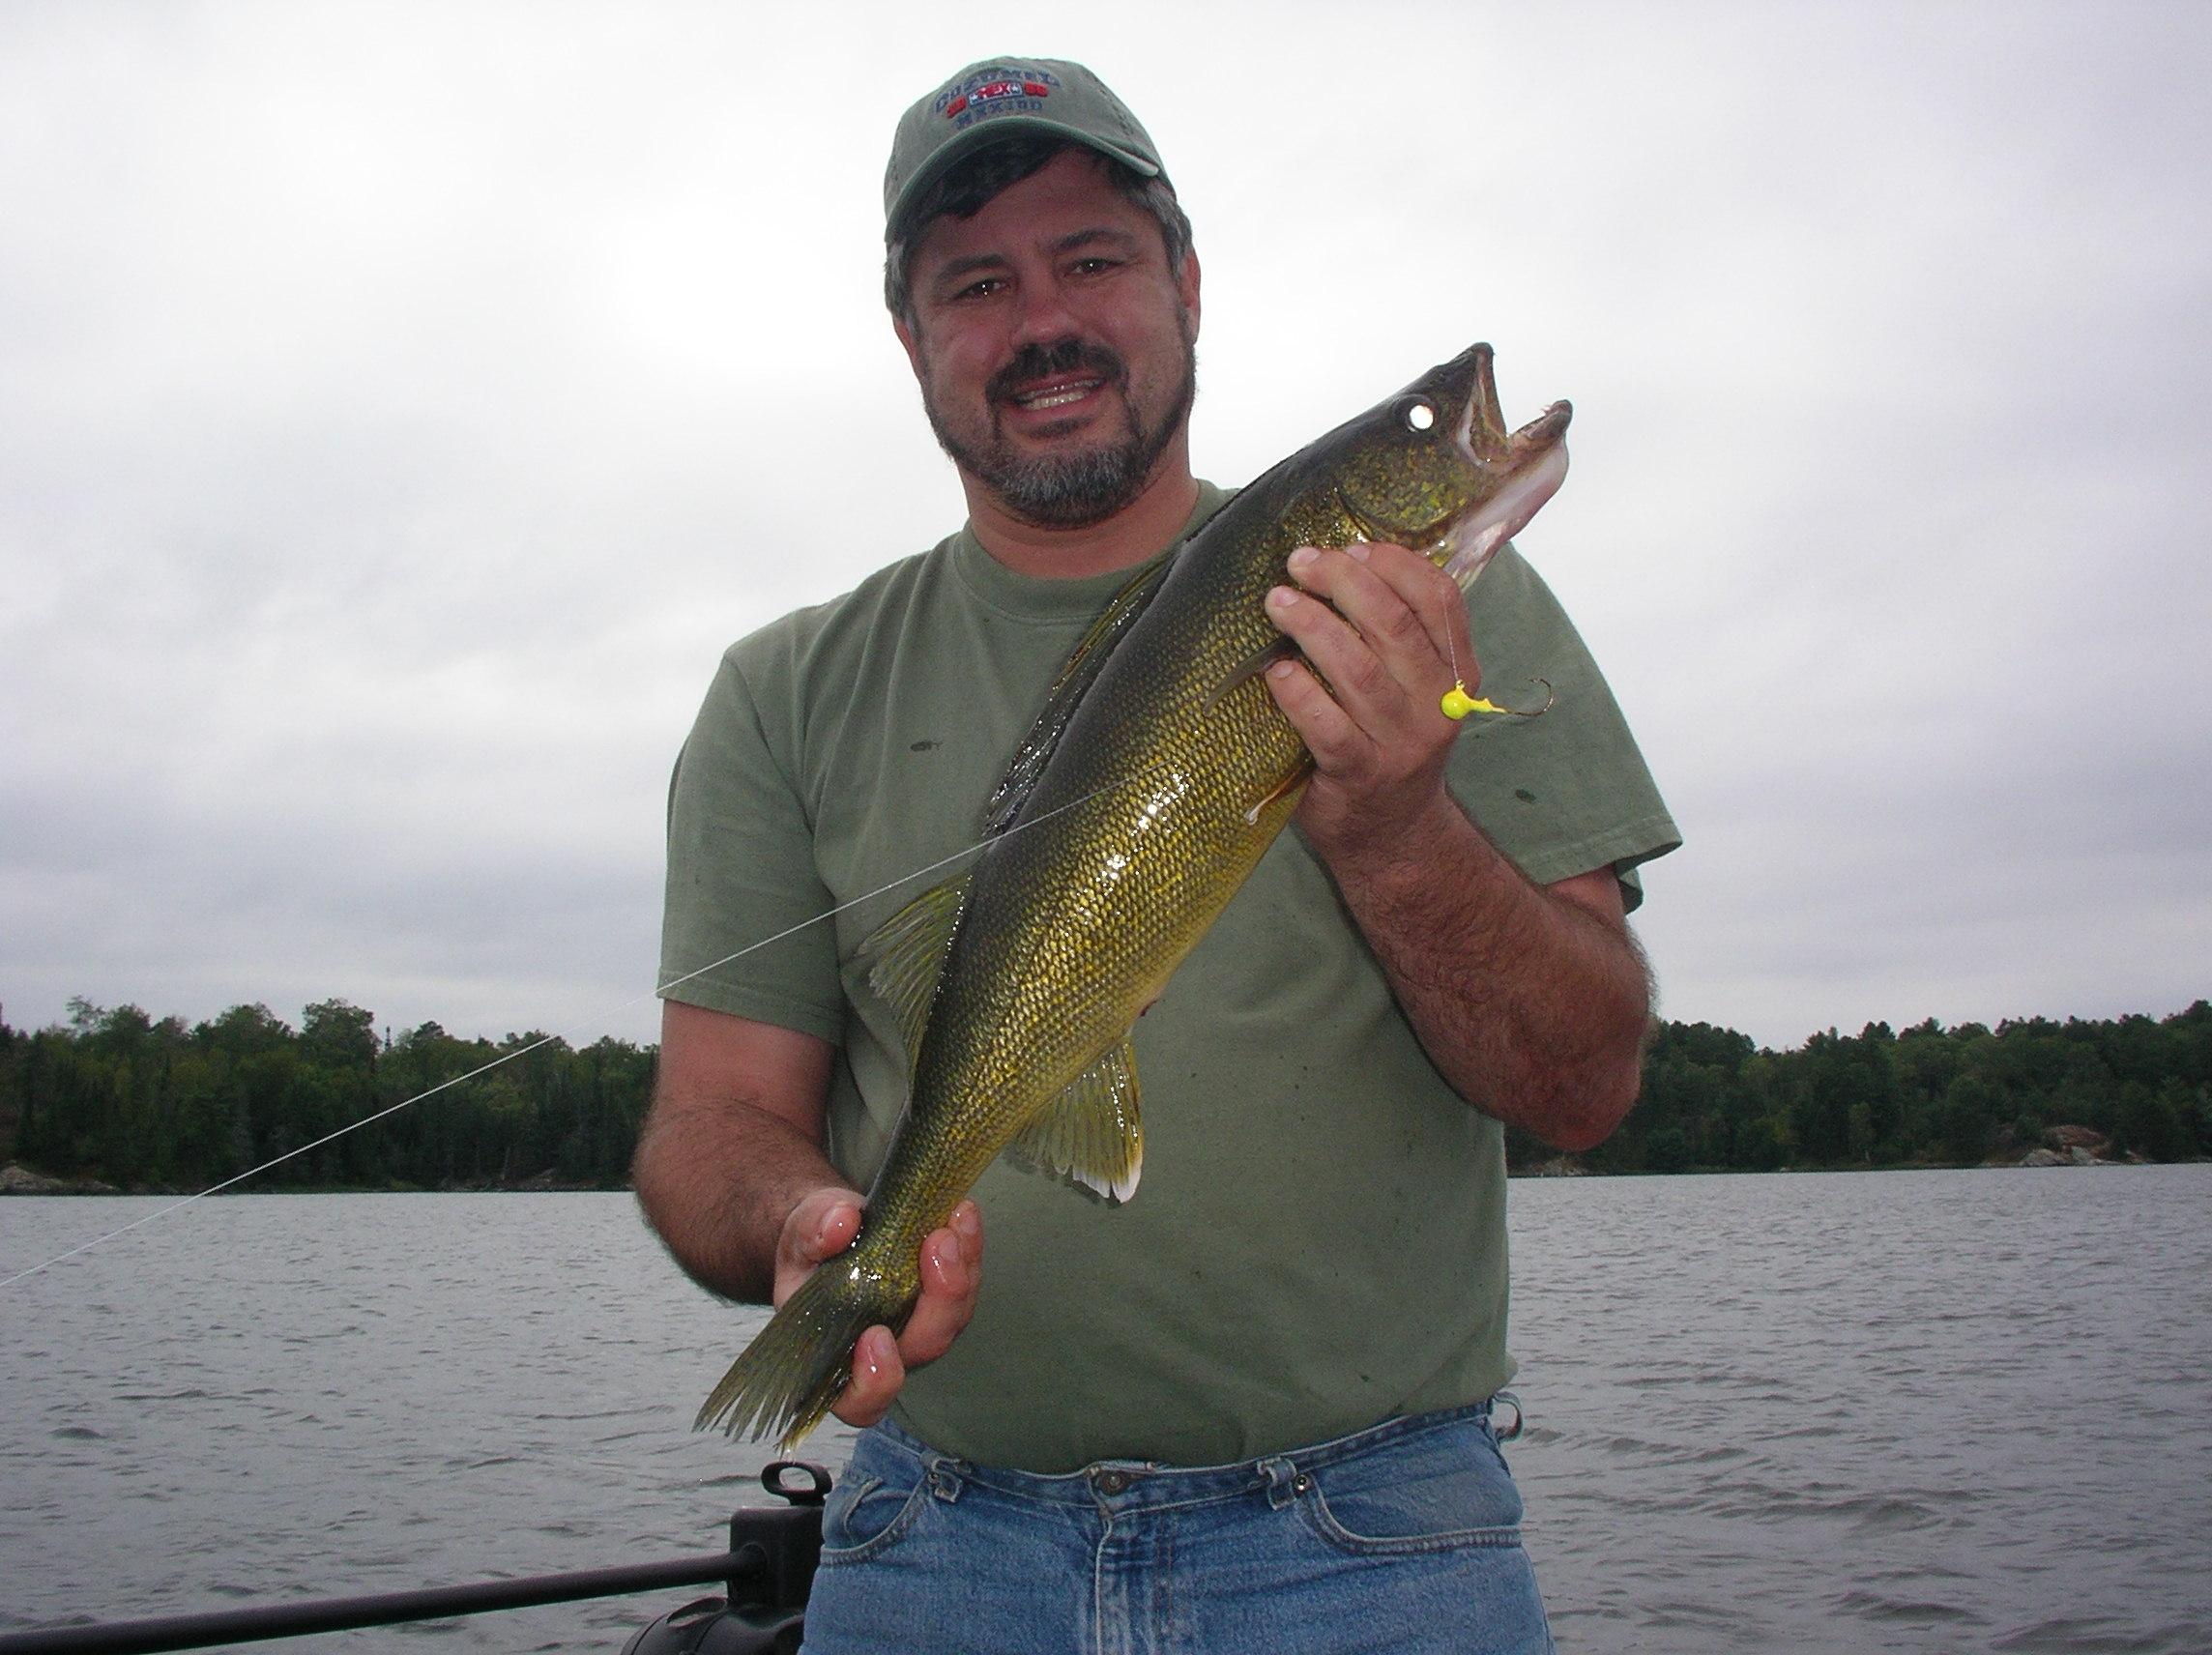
{"points": [[1567, 790], [746, 926]]}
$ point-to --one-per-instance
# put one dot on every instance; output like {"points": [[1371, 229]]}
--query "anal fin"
{"points": [[1090, 1134]]}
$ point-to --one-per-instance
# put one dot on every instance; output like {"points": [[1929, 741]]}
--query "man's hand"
{"points": [[822, 1226], [1553, 1042], [1383, 626], [731, 1171]]}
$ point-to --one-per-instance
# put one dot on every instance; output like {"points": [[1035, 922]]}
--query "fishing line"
{"points": [[1457, 703], [544, 1040]]}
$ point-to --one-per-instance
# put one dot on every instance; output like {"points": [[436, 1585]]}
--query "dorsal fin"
{"points": [[905, 956], [1068, 693], [1090, 1134]]}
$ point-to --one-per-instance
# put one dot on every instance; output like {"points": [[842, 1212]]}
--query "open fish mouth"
{"points": [[1532, 460], [1475, 538]]}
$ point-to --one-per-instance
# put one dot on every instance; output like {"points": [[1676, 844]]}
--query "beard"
{"points": [[1082, 486]]}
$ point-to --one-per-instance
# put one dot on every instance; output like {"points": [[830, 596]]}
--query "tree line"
{"points": [[121, 1097], [140, 1103], [1929, 1097]]}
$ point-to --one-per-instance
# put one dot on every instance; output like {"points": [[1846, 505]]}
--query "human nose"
{"points": [[1042, 314]]}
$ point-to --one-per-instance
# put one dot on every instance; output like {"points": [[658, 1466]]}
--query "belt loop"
{"points": [[1284, 1484], [1488, 1412], [943, 1475]]}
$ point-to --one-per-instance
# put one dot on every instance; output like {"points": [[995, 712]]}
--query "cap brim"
{"points": [[968, 142]]}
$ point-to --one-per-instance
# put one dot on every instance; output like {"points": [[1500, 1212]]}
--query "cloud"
{"points": [[406, 405]]}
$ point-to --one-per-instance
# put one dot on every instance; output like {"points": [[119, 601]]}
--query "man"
{"points": [[1248, 1409]]}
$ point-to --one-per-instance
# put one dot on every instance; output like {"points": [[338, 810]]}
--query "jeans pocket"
{"points": [[1439, 1491], [865, 1515]]}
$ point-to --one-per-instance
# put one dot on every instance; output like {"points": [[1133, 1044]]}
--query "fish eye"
{"points": [[1418, 416]]}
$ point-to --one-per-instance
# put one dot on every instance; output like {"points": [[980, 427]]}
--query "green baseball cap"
{"points": [[999, 96]]}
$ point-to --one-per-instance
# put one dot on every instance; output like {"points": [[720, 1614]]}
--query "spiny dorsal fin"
{"points": [[1090, 1133], [1068, 693], [905, 956]]}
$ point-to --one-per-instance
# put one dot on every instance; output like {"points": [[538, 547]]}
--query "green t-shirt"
{"points": [[1319, 1239]]}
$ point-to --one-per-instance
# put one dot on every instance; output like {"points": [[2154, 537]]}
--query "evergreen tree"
{"points": [[139, 1102]]}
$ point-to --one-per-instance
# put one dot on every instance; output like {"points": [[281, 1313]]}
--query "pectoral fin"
{"points": [[1250, 667], [1090, 1133], [1287, 789]]}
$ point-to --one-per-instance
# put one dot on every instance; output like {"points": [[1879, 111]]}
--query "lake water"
{"points": [[1871, 1412]]}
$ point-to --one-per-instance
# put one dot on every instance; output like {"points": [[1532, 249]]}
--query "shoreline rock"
{"points": [[21, 1181], [2074, 1146]]}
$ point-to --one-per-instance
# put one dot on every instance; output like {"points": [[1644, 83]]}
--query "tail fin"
{"points": [[784, 1381]]}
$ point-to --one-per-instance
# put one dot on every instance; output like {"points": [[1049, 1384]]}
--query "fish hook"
{"points": [[1457, 704]]}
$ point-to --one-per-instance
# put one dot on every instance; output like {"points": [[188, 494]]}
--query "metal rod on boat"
{"points": [[339, 1615]]}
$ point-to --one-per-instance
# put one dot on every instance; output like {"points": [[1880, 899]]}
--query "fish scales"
{"points": [[1160, 791]]}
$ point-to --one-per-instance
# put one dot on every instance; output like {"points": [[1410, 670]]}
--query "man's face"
{"points": [[1054, 347]]}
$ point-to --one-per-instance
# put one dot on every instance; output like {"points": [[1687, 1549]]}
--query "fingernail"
{"points": [[949, 1253], [1281, 597], [1281, 671], [1305, 557], [1359, 549]]}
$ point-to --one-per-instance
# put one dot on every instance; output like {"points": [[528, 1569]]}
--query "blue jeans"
{"points": [[1402, 1538]]}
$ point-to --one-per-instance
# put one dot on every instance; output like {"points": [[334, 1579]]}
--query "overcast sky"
{"points": [[402, 405]]}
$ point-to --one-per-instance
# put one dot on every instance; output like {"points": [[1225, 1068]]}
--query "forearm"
{"points": [[716, 1180], [731, 1173], [1532, 1005]]}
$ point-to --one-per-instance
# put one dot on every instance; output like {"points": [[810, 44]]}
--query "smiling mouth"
{"points": [[1055, 380], [1059, 395]]}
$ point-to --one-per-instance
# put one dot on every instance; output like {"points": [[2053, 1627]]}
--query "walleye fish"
{"points": [[1157, 775]]}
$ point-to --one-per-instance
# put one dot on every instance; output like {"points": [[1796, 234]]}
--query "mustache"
{"points": [[1034, 361]]}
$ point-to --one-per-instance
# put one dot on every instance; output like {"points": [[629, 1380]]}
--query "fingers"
{"points": [[1385, 622], [1385, 630], [952, 1273], [878, 1373], [1382, 633], [820, 1226]]}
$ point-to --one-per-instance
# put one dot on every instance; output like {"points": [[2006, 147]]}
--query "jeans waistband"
{"points": [[1149, 1483]]}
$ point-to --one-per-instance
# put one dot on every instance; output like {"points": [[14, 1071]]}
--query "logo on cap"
{"points": [[996, 94]]}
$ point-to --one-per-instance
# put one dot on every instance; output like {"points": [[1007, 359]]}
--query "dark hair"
{"points": [[969, 185]]}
